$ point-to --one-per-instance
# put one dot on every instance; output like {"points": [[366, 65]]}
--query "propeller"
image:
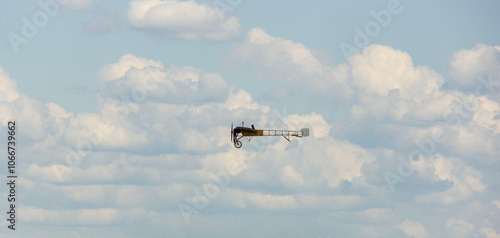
{"points": [[232, 135]]}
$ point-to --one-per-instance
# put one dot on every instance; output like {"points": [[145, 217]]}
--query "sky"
{"points": [[123, 112]]}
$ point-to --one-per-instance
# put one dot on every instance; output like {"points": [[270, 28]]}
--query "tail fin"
{"points": [[305, 132]]}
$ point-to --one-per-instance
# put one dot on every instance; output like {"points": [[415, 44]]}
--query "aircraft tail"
{"points": [[305, 132]]}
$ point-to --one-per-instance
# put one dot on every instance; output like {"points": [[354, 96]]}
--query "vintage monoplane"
{"points": [[244, 131]]}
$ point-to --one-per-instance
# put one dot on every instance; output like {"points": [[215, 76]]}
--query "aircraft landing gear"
{"points": [[234, 137], [237, 144]]}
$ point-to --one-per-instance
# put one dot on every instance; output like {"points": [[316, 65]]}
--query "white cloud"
{"points": [[467, 67], [279, 52], [496, 203], [489, 232], [392, 88], [335, 160], [8, 91], [186, 20], [293, 66], [291, 177], [139, 97], [35, 117], [367, 216], [156, 150], [139, 78], [99, 217], [272, 202], [109, 173], [242, 99], [458, 228], [380, 69], [466, 181], [315, 122], [89, 132], [413, 229], [486, 115], [396, 94], [125, 63], [58, 112]]}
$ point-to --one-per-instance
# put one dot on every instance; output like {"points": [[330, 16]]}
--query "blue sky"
{"points": [[421, 29], [124, 110]]}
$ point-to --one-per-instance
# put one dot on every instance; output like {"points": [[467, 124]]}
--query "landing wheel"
{"points": [[238, 144]]}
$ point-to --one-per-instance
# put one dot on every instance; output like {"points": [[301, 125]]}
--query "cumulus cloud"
{"points": [[413, 229], [124, 64], [469, 67], [39, 119], [466, 181], [140, 98], [160, 134], [396, 108], [315, 122], [196, 88], [187, 20], [411, 99], [272, 49], [272, 202], [293, 65], [496, 203], [458, 228], [114, 172], [390, 92], [336, 161], [8, 91], [99, 217], [381, 69], [489, 232], [147, 78], [393, 89]]}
